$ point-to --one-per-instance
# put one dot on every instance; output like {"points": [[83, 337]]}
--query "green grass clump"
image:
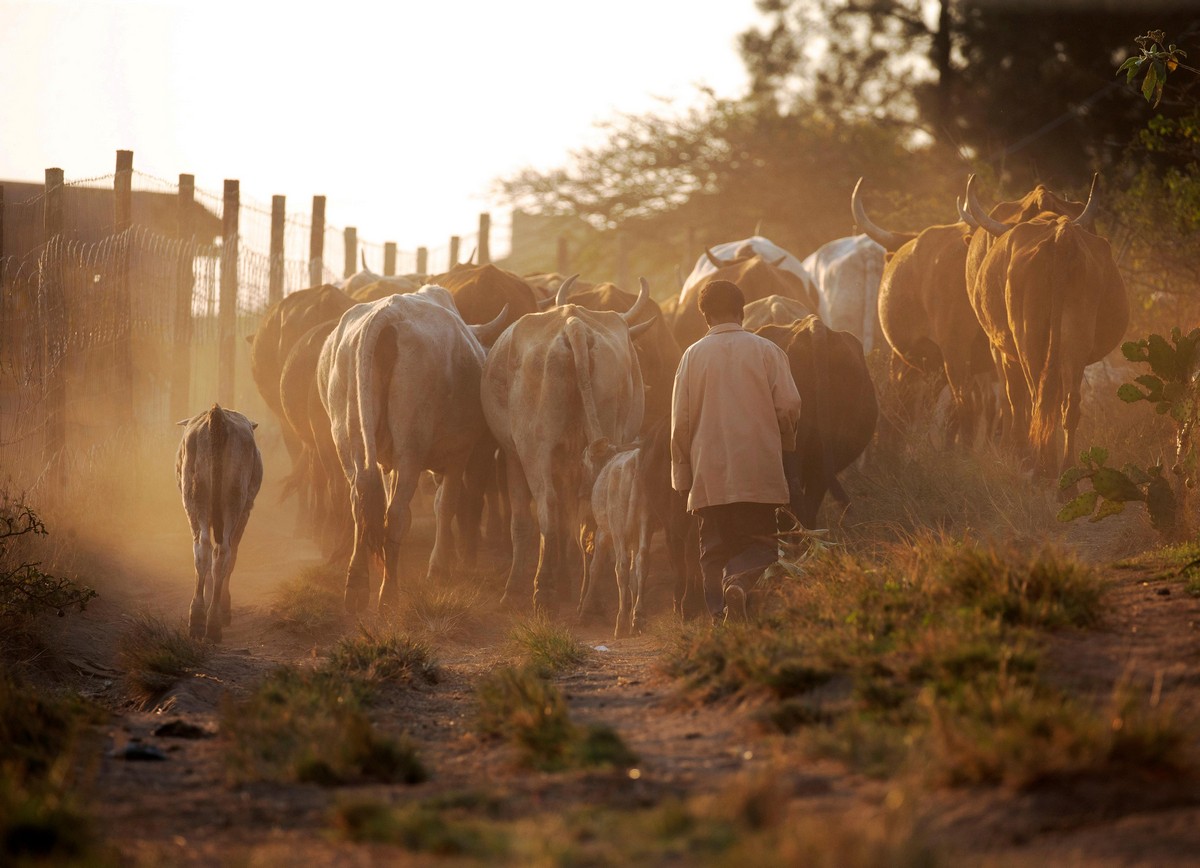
{"points": [[420, 828], [524, 708], [549, 647], [312, 726], [41, 818], [928, 658], [155, 655], [376, 659]]}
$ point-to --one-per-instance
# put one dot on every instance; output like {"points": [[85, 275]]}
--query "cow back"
{"points": [[482, 291]]}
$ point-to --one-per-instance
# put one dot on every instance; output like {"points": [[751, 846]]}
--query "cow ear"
{"points": [[183, 421], [253, 425], [250, 337]]}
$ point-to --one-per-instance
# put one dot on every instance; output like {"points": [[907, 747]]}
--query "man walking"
{"points": [[735, 410]]}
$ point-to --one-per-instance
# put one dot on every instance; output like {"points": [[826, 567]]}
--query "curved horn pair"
{"points": [[564, 291], [1090, 210], [487, 333], [985, 220], [633, 316], [714, 259], [892, 241], [963, 215]]}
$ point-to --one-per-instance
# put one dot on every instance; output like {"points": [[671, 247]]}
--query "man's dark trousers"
{"points": [[729, 531]]}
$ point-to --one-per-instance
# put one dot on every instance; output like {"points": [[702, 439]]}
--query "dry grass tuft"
{"points": [[522, 706], [308, 606], [550, 648], [155, 655]]}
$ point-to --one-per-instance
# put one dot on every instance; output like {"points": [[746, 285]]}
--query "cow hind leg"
{"points": [[399, 519], [446, 506], [520, 497], [624, 602], [640, 557], [202, 556], [221, 568]]}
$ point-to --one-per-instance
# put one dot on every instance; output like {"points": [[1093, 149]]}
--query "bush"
{"points": [[25, 589]]}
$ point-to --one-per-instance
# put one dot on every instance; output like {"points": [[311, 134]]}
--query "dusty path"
{"points": [[182, 811]]}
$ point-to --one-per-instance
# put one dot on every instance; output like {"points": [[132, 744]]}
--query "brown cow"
{"points": [[283, 325], [926, 316], [481, 292], [1050, 297], [755, 276], [838, 409]]}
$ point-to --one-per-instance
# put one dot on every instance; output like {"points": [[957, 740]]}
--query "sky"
{"points": [[401, 113]]}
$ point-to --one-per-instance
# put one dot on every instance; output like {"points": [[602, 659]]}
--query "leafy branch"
{"points": [[1154, 62]]}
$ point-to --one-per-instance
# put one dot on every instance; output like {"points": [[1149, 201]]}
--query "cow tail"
{"points": [[1048, 396], [577, 340], [218, 439], [372, 356]]}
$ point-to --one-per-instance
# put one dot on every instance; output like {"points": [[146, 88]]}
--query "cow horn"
{"points": [[363, 256], [564, 291], [545, 303], [635, 313], [890, 240], [716, 263], [963, 216], [1088, 214], [639, 329], [991, 225], [488, 332], [471, 258]]}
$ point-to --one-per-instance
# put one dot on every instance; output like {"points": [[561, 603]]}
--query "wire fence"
{"points": [[109, 337]]}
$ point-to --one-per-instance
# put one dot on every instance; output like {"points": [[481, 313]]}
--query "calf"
{"points": [[622, 520], [219, 471]]}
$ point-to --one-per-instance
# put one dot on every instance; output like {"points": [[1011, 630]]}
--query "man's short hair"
{"points": [[720, 299]]}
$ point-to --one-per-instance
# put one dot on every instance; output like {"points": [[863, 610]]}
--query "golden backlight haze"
{"points": [[401, 113]]}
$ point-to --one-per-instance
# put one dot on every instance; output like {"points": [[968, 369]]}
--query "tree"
{"points": [[1025, 87]]}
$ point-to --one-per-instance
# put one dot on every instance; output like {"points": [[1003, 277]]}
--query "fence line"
{"points": [[107, 333]]}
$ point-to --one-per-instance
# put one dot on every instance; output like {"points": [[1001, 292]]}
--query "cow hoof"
{"points": [[196, 629]]}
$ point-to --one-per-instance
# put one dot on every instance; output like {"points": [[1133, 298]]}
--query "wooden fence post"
{"points": [[423, 261], [389, 259], [562, 261], [122, 221], [350, 235], [454, 242], [227, 312], [53, 315], [181, 373], [316, 243], [485, 232], [278, 221]]}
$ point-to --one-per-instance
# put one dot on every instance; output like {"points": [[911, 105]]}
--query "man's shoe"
{"points": [[735, 604]]}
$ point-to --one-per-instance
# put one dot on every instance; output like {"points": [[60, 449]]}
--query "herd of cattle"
{"points": [[545, 402]]}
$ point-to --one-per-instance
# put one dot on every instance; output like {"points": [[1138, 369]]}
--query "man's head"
{"points": [[721, 301]]}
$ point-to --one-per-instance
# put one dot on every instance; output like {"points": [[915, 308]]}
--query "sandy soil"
{"points": [[182, 811]]}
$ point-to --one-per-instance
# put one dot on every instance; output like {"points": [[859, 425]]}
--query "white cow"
{"points": [[764, 247], [621, 513], [773, 310], [847, 273], [399, 378], [219, 470], [554, 383]]}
